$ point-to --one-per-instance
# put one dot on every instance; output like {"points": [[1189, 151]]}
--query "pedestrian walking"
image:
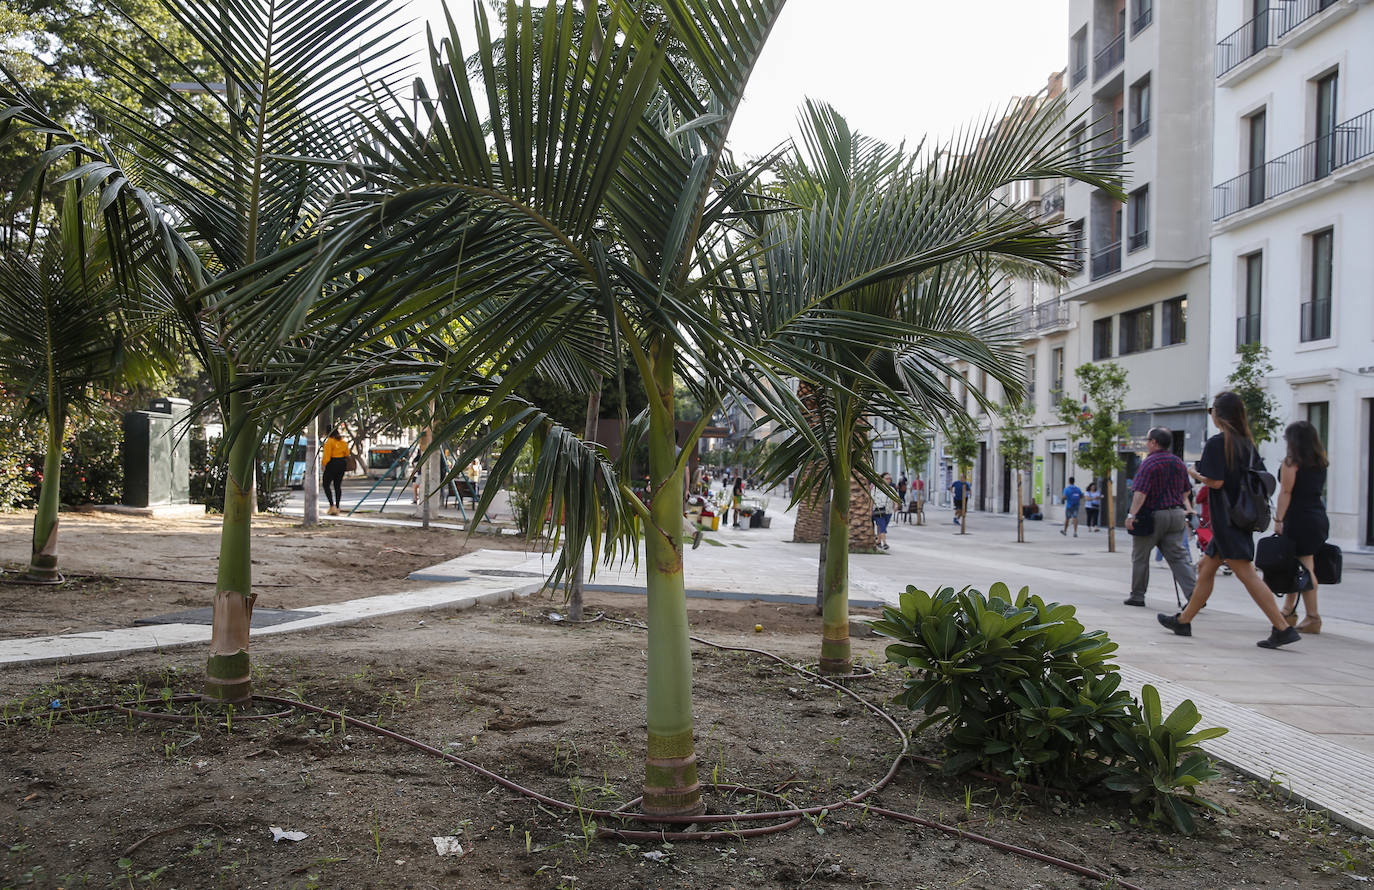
{"points": [[882, 513], [334, 459], [1073, 496], [901, 492], [961, 490], [1157, 516], [737, 497], [1226, 461], [1300, 515], [1092, 505]]}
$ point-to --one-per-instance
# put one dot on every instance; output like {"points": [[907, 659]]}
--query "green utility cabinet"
{"points": [[157, 455]]}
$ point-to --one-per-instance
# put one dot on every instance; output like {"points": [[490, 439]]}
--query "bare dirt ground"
{"points": [[115, 800]]}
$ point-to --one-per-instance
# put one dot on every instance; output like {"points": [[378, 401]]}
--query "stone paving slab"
{"points": [[1314, 769]]}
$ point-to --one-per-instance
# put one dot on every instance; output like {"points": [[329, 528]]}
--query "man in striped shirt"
{"points": [[1160, 488]]}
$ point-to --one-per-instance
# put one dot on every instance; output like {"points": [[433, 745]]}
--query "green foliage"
{"points": [[916, 450], [1247, 381], [1022, 689], [963, 447], [1097, 420], [520, 489], [1017, 435], [92, 468], [209, 470], [1151, 771], [20, 439]]}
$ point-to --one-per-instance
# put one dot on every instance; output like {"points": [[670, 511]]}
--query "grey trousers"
{"points": [[1168, 536]]}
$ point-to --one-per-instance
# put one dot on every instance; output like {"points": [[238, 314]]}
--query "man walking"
{"points": [[1073, 496], [1161, 489]]}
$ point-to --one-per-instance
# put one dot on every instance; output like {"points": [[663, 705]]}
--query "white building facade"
{"points": [[1293, 226]]}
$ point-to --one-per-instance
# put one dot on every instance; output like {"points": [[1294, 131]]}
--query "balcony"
{"points": [[1140, 131], [1345, 144], [1137, 240], [1142, 21], [1078, 75], [1051, 314], [1265, 30], [1107, 146], [1106, 261], [1248, 329], [1315, 320], [1109, 57], [1052, 202]]}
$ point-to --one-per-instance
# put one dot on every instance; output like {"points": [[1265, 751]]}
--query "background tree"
{"points": [[916, 448], [67, 331], [962, 444], [1097, 421], [1248, 382], [1018, 448]]}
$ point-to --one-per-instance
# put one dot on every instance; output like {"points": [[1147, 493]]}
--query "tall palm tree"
{"points": [[929, 221], [250, 168], [68, 329]]}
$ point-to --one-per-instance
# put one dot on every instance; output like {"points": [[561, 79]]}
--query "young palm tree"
{"points": [[67, 330], [929, 222], [249, 169]]}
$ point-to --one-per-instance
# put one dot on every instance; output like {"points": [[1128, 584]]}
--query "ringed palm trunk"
{"points": [[43, 560], [835, 651], [670, 767], [227, 675]]}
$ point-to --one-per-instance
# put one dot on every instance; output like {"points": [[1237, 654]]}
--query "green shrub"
{"points": [[1022, 689], [92, 468]]}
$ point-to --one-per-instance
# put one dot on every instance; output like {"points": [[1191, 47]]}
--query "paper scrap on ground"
{"points": [[447, 846], [280, 835]]}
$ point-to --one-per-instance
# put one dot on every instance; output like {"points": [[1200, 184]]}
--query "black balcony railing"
{"points": [[1345, 144], [1078, 75], [1265, 30], [1248, 329], [1051, 314], [1316, 320], [1106, 260], [1137, 240], [1142, 21], [1140, 131], [1052, 202], [1107, 146], [1109, 57]]}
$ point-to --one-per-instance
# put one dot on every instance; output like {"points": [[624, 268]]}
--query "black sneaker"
{"points": [[1279, 638], [1135, 601], [1182, 628]]}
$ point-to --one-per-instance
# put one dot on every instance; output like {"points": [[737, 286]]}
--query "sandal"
{"points": [[1312, 624], [1292, 616]]}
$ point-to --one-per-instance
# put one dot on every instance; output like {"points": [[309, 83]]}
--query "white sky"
{"points": [[896, 69]]}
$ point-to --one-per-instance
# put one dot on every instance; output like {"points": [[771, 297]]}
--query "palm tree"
{"points": [[250, 168], [928, 221], [68, 329]]}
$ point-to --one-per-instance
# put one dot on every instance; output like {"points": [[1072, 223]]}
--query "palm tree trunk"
{"points": [[227, 676], [670, 767], [43, 560], [820, 569], [835, 652]]}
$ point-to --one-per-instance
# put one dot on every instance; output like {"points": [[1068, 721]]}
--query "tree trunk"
{"points": [[1020, 512], [835, 651], [310, 477], [1111, 516], [227, 676], [670, 766], [43, 558], [825, 545]]}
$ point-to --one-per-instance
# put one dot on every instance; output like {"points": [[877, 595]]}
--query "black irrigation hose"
{"points": [[790, 817]]}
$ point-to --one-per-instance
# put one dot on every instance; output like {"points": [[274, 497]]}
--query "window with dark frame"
{"points": [[1173, 321], [1137, 330], [1102, 338], [1056, 375], [1138, 223], [1248, 324], [1315, 321], [1140, 109]]}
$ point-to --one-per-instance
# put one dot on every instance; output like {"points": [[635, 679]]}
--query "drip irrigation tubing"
{"points": [[784, 819]]}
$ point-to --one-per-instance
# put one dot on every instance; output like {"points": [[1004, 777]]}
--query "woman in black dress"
{"points": [[1300, 515], [1225, 458]]}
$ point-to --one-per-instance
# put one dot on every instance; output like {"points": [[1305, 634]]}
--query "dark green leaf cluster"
{"points": [[1247, 381], [1022, 689]]}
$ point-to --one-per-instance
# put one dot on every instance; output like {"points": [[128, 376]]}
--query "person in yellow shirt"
{"points": [[334, 458]]}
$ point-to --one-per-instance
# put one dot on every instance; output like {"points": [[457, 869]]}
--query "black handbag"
{"points": [[1327, 562], [1144, 524]]}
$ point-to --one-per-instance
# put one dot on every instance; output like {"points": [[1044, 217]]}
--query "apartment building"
{"points": [[1292, 210], [1141, 74]]}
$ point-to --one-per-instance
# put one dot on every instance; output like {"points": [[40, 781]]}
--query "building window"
{"points": [[1253, 188], [1319, 415], [1326, 133], [1076, 237], [1139, 221], [1248, 325], [1140, 109], [1078, 57], [1030, 380], [1173, 321], [1137, 330], [1056, 375], [1316, 310], [1102, 338], [1144, 14]]}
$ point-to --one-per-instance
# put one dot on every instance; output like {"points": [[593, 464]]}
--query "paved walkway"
{"points": [[1302, 716]]}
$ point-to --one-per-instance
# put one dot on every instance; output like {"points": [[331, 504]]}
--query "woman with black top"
{"points": [[1300, 515], [1225, 459]]}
